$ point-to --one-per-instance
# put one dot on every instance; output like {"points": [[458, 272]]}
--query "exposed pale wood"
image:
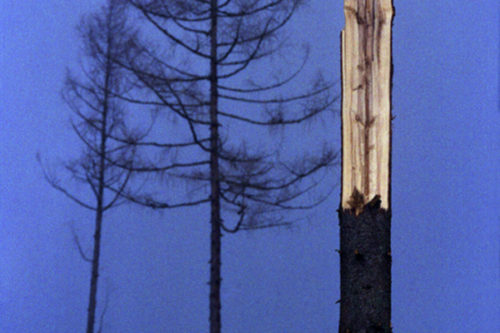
{"points": [[366, 106]]}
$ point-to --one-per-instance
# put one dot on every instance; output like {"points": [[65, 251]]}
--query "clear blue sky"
{"points": [[445, 195]]}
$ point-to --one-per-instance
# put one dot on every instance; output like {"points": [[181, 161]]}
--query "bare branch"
{"points": [[79, 246], [148, 201], [118, 193], [259, 89], [171, 36], [55, 184], [276, 100]]}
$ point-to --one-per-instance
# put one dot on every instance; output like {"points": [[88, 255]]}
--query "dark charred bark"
{"points": [[365, 269], [215, 217]]}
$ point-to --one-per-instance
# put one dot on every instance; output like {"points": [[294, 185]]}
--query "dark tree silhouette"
{"points": [[191, 66], [98, 118]]}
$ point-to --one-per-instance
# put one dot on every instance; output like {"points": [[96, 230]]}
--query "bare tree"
{"points": [[192, 69], [98, 118]]}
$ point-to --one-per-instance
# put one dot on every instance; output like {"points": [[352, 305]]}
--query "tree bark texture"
{"points": [[215, 216], [365, 270], [364, 214]]}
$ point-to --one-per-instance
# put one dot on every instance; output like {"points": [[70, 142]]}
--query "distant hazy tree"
{"points": [[98, 118], [190, 66]]}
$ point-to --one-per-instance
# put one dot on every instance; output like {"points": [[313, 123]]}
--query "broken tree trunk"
{"points": [[364, 214]]}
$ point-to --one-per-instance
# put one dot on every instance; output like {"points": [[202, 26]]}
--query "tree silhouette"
{"points": [[190, 66], [99, 117]]}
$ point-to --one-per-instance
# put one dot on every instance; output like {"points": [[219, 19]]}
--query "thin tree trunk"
{"points": [[97, 232], [364, 214], [215, 236], [98, 225], [95, 273], [100, 196]]}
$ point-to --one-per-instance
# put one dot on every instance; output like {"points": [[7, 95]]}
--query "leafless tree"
{"points": [[98, 117], [192, 69]]}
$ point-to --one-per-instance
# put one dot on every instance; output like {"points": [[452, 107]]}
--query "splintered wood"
{"points": [[366, 103]]}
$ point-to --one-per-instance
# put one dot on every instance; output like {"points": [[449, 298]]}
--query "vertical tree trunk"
{"points": [[215, 237], [364, 214], [98, 220], [100, 194], [95, 273]]}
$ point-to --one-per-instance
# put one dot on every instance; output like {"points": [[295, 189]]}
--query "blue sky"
{"points": [[445, 194]]}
